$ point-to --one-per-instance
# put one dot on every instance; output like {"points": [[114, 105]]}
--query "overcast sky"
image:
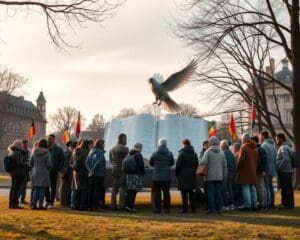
{"points": [[109, 70]]}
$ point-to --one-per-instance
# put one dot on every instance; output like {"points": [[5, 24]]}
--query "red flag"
{"points": [[253, 115], [212, 132], [65, 137], [78, 127], [32, 131], [232, 128]]}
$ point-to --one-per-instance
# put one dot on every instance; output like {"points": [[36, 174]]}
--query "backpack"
{"points": [[9, 163], [129, 165]]}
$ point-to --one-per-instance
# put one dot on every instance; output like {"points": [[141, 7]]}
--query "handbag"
{"points": [[202, 170]]}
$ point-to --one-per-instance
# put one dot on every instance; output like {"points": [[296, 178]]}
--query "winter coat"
{"points": [[116, 157], [248, 161], [96, 163], [268, 145], [139, 160], [41, 164], [185, 171], [231, 163], [161, 160], [284, 158], [19, 165], [66, 171], [80, 173], [26, 158], [217, 164], [262, 166], [58, 158]]}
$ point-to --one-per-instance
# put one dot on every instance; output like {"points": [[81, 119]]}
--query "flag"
{"points": [[232, 128], [32, 131], [253, 116], [78, 126], [65, 137], [212, 132]]}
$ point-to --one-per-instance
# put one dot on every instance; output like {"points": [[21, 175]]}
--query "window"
{"points": [[288, 116], [287, 98], [288, 79]]}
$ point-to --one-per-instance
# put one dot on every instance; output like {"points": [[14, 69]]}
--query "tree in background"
{"points": [[97, 125], [151, 109], [188, 110], [64, 119], [72, 13], [10, 83], [124, 113]]}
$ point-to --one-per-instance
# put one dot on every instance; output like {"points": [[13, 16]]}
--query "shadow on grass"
{"points": [[277, 218], [23, 233]]}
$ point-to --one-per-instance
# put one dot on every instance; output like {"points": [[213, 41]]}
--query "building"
{"points": [[278, 98], [16, 115]]}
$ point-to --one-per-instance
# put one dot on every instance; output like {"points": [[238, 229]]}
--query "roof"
{"points": [[41, 97], [285, 76], [21, 107]]}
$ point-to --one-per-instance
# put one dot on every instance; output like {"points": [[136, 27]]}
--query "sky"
{"points": [[110, 68]]}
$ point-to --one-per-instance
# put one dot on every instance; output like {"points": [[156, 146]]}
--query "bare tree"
{"points": [[233, 38], [66, 12], [64, 119], [10, 83], [151, 109], [124, 113], [98, 123], [189, 110]]}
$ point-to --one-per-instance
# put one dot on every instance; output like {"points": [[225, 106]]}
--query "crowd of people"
{"points": [[239, 176]]}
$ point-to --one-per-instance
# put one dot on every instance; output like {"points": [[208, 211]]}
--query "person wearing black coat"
{"points": [[17, 174], [26, 157], [185, 172]]}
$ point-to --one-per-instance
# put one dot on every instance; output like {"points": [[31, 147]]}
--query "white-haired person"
{"points": [[161, 161], [15, 166], [134, 169]]}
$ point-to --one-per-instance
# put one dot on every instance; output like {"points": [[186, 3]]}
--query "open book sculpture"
{"points": [[147, 129]]}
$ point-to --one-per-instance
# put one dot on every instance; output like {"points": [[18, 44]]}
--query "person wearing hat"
{"points": [[161, 161], [134, 178]]}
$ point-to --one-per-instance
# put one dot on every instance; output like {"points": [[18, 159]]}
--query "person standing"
{"points": [[269, 146], [17, 172], [66, 176], [216, 162], [58, 159], [185, 172], [231, 172], [248, 160], [79, 195], [96, 166], [26, 157], [41, 164], [134, 177], [261, 174], [161, 161], [205, 146], [285, 169], [116, 157]]}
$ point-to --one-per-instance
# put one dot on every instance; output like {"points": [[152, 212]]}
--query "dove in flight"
{"points": [[160, 88]]}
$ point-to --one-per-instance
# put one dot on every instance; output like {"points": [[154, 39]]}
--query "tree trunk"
{"points": [[295, 40]]}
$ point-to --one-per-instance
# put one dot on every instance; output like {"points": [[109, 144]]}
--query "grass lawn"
{"points": [[62, 223], [4, 178]]}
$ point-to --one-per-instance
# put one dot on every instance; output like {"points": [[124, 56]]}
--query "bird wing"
{"points": [[170, 105], [178, 79]]}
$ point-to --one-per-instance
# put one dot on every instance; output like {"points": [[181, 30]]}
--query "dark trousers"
{"points": [[130, 198], [228, 195], [65, 190], [102, 196], [162, 187], [51, 192], [38, 196], [214, 194], [23, 189], [94, 193], [188, 199], [16, 181], [79, 199], [287, 192]]}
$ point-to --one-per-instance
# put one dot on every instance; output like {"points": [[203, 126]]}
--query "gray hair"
{"points": [[224, 144], [246, 137], [162, 142], [17, 143], [213, 141], [138, 146]]}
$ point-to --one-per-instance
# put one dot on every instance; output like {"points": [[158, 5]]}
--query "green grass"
{"points": [[4, 178], [62, 223]]}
